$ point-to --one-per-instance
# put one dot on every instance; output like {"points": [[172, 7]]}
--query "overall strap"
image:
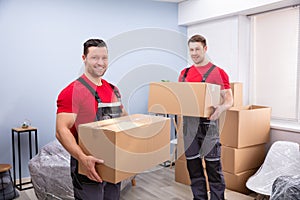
{"points": [[81, 80], [207, 73], [116, 91], [185, 74]]}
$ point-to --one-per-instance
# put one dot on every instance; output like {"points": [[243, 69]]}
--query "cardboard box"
{"points": [[237, 92], [180, 149], [183, 98], [238, 160], [182, 174], [237, 182], [180, 143], [128, 145], [180, 152], [246, 126]]}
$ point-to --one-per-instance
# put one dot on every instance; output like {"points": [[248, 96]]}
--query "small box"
{"points": [[237, 182], [245, 126], [183, 98], [180, 149], [238, 160], [237, 92], [181, 172], [180, 143], [128, 145]]}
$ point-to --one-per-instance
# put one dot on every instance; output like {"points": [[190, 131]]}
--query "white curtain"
{"points": [[275, 62]]}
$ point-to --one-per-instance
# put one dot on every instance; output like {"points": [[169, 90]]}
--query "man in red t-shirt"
{"points": [[201, 135], [87, 99]]}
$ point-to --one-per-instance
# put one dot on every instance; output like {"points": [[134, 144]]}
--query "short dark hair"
{"points": [[198, 38], [92, 43]]}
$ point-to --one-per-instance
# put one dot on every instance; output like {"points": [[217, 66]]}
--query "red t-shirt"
{"points": [[217, 75], [76, 98]]}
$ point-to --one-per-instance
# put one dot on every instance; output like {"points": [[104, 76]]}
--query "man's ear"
{"points": [[83, 58]]}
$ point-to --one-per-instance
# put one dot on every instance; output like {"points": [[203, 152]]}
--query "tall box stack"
{"points": [[244, 132]]}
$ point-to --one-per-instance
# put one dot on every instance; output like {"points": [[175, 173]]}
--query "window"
{"points": [[275, 76]]}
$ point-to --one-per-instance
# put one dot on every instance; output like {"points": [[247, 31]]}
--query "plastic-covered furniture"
{"points": [[286, 187], [283, 159], [50, 173]]}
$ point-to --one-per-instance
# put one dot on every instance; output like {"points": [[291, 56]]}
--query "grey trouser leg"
{"points": [[215, 179], [86, 189], [201, 140], [198, 182]]}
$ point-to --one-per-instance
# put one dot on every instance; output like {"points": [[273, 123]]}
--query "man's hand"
{"points": [[227, 99], [217, 112], [89, 162]]}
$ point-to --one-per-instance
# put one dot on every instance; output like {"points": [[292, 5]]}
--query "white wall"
{"points": [[195, 11], [228, 46], [283, 135], [41, 47]]}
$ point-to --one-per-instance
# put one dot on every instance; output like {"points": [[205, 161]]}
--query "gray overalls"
{"points": [[201, 140], [84, 188]]}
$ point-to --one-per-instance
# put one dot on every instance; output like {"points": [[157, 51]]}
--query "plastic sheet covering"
{"points": [[50, 172], [283, 159], [286, 187]]}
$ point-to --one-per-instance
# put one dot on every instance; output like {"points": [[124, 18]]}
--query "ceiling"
{"points": [[174, 1]]}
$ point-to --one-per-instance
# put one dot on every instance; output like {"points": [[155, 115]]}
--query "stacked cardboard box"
{"points": [[128, 145], [244, 130]]}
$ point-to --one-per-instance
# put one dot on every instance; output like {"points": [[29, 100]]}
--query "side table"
{"points": [[19, 131]]}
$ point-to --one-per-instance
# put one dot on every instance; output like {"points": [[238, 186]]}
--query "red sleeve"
{"points": [[66, 101], [225, 79]]}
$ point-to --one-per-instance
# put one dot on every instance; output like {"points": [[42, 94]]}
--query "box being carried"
{"points": [[183, 98], [128, 145]]}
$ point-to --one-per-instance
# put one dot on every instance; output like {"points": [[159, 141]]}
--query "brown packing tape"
{"points": [[126, 120]]}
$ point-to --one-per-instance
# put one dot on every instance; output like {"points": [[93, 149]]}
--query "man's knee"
{"points": [[214, 171], [195, 167]]}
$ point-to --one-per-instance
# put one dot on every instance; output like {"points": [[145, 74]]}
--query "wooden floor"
{"points": [[155, 184]]}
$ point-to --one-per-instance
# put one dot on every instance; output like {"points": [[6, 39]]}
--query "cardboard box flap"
{"points": [[102, 123], [248, 108], [131, 124]]}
